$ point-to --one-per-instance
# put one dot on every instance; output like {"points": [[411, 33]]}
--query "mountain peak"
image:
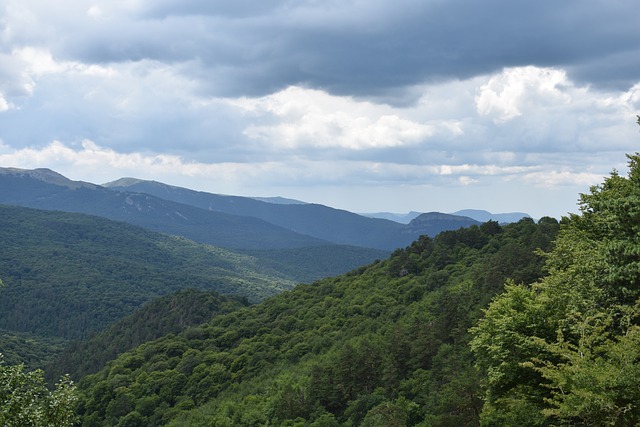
{"points": [[484, 216], [279, 200], [45, 175], [439, 216], [123, 182]]}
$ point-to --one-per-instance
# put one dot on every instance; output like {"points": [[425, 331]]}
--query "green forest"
{"points": [[69, 275], [387, 342], [530, 323]]}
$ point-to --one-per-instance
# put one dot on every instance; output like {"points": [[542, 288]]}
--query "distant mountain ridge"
{"points": [[397, 217], [334, 225], [46, 176], [44, 189], [228, 221], [484, 216], [280, 200], [441, 222], [476, 214]]}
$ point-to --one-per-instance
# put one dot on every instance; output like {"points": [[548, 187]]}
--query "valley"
{"points": [[150, 328]]}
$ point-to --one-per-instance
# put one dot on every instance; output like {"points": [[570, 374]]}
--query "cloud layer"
{"points": [[375, 105]]}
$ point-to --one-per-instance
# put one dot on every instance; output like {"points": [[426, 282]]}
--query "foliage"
{"points": [[386, 344], [68, 275], [564, 351], [313, 263], [34, 351], [165, 315], [26, 402]]}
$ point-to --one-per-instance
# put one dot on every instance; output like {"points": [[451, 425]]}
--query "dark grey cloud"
{"points": [[372, 48], [240, 9]]}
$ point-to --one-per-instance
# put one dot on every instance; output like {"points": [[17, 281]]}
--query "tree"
{"points": [[26, 402], [564, 351]]}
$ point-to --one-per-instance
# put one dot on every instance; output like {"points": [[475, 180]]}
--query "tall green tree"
{"points": [[564, 351], [25, 401]]}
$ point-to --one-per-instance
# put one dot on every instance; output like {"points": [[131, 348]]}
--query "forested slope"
{"points": [[566, 351], [67, 275], [169, 314], [384, 345], [35, 351]]}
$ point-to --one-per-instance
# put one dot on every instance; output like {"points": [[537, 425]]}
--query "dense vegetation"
{"points": [[566, 350], [384, 345], [68, 275], [162, 316], [34, 351], [316, 262], [25, 401], [523, 324]]}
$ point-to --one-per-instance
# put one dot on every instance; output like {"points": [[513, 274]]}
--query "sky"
{"points": [[363, 105]]}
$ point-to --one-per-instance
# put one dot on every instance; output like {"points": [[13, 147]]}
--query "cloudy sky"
{"points": [[365, 105]]}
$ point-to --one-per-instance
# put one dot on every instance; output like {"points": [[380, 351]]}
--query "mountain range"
{"points": [[239, 223], [517, 324], [234, 222], [477, 214]]}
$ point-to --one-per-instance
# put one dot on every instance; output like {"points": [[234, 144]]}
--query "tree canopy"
{"points": [[384, 345], [25, 401], [565, 350]]}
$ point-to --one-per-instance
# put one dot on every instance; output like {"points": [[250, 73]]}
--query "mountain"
{"points": [[46, 176], [484, 216], [45, 189], [385, 345], [226, 221], [438, 222], [279, 200], [68, 274], [478, 215], [322, 222], [397, 217]]}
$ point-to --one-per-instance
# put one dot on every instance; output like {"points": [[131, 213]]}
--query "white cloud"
{"points": [[504, 95], [89, 159], [553, 178], [95, 11], [531, 126], [4, 105], [299, 117], [465, 180], [91, 162]]}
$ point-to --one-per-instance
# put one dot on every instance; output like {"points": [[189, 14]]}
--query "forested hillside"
{"points": [[169, 314], [67, 275], [529, 323], [384, 345], [566, 351], [35, 351]]}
